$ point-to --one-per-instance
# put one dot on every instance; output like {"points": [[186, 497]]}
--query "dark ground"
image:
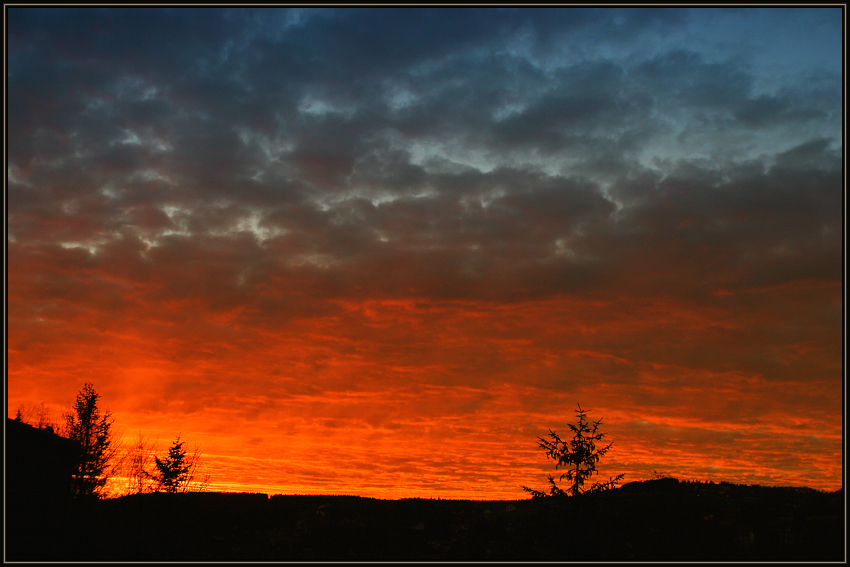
{"points": [[660, 520]]}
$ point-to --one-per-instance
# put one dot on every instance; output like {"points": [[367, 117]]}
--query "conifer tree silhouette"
{"points": [[579, 456], [87, 426], [173, 471]]}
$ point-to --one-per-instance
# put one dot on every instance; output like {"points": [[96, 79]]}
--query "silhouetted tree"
{"points": [[136, 467], [191, 482], [178, 470], [579, 456], [173, 470], [85, 425]]}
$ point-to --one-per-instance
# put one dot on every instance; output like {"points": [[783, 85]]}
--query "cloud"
{"points": [[351, 223]]}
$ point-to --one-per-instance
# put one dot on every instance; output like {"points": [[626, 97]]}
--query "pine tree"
{"points": [[85, 425], [579, 456], [173, 471]]}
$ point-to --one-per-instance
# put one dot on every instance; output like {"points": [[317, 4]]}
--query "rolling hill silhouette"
{"points": [[641, 521]]}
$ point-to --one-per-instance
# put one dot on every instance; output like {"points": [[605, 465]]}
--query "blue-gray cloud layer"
{"points": [[479, 153]]}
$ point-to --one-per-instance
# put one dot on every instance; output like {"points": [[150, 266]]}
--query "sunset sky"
{"points": [[380, 251]]}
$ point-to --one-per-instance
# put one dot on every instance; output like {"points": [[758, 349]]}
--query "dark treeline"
{"points": [[653, 520], [54, 511]]}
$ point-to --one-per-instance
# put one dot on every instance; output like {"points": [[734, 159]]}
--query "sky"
{"points": [[378, 251]]}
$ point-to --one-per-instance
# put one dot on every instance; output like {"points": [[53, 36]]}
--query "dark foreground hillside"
{"points": [[641, 521]]}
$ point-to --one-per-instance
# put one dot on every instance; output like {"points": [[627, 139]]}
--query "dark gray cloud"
{"points": [[466, 173]]}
